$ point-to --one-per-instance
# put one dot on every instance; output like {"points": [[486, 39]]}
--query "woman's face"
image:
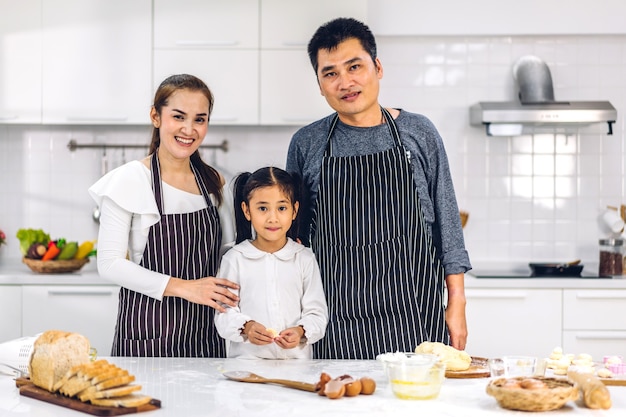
{"points": [[183, 122]]}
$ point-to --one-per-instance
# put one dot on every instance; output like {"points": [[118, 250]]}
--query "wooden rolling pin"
{"points": [[595, 394]]}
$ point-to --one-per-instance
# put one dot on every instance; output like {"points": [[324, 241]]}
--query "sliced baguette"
{"points": [[114, 392], [132, 400], [90, 392]]}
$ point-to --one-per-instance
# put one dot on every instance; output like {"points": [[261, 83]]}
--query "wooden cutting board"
{"points": [[28, 389], [479, 368], [614, 381]]}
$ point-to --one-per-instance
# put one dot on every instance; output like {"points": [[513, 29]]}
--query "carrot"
{"points": [[52, 252]]}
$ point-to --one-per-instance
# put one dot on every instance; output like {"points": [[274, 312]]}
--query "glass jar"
{"points": [[611, 257]]}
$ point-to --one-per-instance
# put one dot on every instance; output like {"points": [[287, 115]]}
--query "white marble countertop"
{"points": [[195, 387]]}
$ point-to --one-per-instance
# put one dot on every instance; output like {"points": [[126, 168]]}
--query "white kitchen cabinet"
{"points": [[97, 60], [508, 321], [290, 24], [218, 42], [290, 94], [232, 24], [230, 74], [594, 322], [10, 312], [88, 310], [20, 61], [496, 17]]}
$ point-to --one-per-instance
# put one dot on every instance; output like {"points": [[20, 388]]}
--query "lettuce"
{"points": [[29, 236]]}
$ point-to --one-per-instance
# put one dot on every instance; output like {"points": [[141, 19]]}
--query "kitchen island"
{"points": [[196, 387]]}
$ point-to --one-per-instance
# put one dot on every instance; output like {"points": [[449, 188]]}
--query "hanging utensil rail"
{"points": [[73, 145]]}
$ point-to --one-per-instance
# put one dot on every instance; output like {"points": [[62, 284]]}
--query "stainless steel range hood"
{"points": [[536, 108]]}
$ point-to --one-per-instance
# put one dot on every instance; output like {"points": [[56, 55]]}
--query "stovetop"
{"points": [[527, 275]]}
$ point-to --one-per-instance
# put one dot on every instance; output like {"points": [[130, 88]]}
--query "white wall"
{"points": [[529, 198]]}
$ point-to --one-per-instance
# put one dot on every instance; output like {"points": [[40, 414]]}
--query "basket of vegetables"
{"points": [[43, 255]]}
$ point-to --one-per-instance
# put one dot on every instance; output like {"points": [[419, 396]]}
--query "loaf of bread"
{"points": [[595, 394], [455, 360], [55, 352]]}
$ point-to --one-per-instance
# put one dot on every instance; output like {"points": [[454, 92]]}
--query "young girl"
{"points": [[279, 279]]}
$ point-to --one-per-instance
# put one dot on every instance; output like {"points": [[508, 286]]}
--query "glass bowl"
{"points": [[512, 366], [413, 376]]}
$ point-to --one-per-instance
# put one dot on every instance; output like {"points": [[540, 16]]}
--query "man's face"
{"points": [[349, 80]]}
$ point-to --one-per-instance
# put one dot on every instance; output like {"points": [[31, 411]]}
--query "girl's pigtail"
{"points": [[242, 225]]}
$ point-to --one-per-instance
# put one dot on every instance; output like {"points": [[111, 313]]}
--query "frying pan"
{"points": [[570, 269]]}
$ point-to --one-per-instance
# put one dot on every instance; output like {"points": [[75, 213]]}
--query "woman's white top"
{"points": [[278, 290], [127, 211]]}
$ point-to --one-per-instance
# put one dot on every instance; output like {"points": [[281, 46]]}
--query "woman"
{"points": [[161, 233]]}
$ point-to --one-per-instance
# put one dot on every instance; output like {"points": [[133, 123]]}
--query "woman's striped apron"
{"points": [[181, 245], [383, 281]]}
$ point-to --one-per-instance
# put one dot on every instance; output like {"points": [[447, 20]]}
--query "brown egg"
{"points": [[368, 385], [319, 387], [353, 387], [334, 389], [532, 383], [511, 383]]}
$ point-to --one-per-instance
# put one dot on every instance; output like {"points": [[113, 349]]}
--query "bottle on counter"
{"points": [[611, 257]]}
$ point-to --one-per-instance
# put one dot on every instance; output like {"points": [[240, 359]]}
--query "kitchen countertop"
{"points": [[14, 272], [195, 387]]}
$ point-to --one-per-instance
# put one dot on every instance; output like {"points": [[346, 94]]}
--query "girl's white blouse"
{"points": [[127, 211]]}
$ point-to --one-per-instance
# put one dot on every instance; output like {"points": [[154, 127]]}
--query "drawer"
{"points": [[594, 310], [597, 343]]}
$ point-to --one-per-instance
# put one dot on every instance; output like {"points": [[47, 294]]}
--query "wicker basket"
{"points": [[557, 393], [55, 267]]}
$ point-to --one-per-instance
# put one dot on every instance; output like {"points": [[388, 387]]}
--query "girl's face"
{"points": [[183, 123], [271, 213]]}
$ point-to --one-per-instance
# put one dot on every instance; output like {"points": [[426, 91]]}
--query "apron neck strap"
{"points": [[391, 125]]}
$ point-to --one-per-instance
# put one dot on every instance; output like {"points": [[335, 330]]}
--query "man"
{"points": [[383, 218]]}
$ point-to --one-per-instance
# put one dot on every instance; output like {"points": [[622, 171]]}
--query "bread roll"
{"points": [[455, 360], [55, 352]]}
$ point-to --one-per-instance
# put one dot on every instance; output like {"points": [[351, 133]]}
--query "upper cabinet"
{"points": [[232, 24], [496, 17], [290, 24], [20, 61], [289, 92], [217, 41], [96, 61]]}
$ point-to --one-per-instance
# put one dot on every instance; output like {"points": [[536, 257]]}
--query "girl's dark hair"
{"points": [[168, 87], [246, 183], [331, 34]]}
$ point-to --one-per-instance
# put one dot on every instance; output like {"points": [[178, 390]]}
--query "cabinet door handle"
{"points": [[9, 117], [295, 43], [497, 294], [80, 292], [96, 119], [601, 295], [206, 43], [601, 335]]}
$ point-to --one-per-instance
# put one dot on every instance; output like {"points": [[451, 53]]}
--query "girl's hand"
{"points": [[256, 333], [210, 291], [290, 338]]}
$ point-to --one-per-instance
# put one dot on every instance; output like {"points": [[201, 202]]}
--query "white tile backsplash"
{"points": [[529, 198]]}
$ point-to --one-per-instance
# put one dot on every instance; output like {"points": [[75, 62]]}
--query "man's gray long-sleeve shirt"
{"points": [[429, 162]]}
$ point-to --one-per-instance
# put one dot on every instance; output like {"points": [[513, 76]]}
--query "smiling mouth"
{"points": [[350, 96], [182, 140]]}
